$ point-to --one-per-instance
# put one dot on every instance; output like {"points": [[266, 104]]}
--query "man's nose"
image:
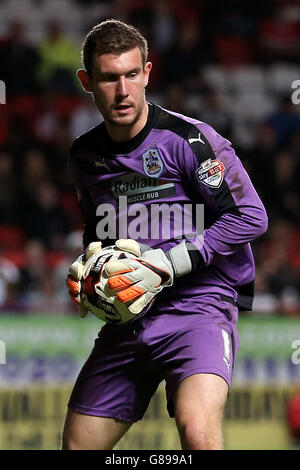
{"points": [[122, 87]]}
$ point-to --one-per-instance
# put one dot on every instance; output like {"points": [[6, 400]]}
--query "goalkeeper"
{"points": [[173, 301]]}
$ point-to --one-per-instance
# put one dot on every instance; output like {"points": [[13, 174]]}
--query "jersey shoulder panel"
{"points": [[207, 146], [87, 143], [190, 130]]}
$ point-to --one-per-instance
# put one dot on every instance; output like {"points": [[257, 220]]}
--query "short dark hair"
{"points": [[112, 37]]}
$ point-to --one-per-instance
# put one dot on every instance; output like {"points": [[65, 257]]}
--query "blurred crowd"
{"points": [[230, 64]]}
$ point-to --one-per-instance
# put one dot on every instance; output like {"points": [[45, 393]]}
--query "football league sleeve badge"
{"points": [[152, 163], [211, 173]]}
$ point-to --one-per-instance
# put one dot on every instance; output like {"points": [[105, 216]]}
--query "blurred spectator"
{"points": [[260, 159], [213, 112], [294, 148], [289, 300], [175, 98], [182, 62], [120, 9], [47, 111], [37, 287], [19, 135], [8, 188], [84, 117], [46, 220], [140, 13], [18, 61], [45, 300], [73, 248], [34, 170], [164, 27], [189, 11], [4, 125], [57, 153], [283, 278], [285, 121], [265, 301], [283, 200], [33, 272], [234, 38], [59, 59], [9, 278], [279, 35], [235, 22], [47, 119]]}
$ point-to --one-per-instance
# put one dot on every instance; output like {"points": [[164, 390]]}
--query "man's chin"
{"points": [[123, 121]]}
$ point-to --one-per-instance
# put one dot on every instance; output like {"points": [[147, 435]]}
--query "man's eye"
{"points": [[111, 78], [107, 78]]}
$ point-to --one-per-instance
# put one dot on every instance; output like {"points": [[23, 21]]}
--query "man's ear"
{"points": [[147, 71], [84, 80]]}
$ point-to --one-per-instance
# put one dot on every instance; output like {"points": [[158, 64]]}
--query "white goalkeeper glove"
{"points": [[87, 282], [144, 277]]}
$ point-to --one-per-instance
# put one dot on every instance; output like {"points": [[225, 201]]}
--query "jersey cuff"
{"points": [[195, 255]]}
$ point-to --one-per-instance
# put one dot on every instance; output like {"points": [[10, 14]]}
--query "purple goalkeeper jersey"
{"points": [[177, 179]]}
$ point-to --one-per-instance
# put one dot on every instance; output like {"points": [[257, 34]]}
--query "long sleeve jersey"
{"points": [[176, 179]]}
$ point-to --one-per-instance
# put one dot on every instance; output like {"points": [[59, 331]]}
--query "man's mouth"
{"points": [[122, 107]]}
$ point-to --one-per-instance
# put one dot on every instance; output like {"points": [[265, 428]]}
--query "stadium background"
{"points": [[231, 64]]}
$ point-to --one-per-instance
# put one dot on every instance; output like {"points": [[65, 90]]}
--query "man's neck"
{"points": [[123, 133]]}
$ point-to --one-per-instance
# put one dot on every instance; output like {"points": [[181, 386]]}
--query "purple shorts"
{"points": [[128, 362]]}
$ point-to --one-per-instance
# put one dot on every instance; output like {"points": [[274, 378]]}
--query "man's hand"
{"points": [[76, 272], [144, 277], [123, 288], [87, 282]]}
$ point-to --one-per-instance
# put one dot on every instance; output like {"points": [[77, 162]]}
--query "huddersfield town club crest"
{"points": [[153, 165], [211, 173]]}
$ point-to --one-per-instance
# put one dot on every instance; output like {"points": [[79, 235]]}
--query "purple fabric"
{"points": [[127, 363], [189, 329], [102, 176]]}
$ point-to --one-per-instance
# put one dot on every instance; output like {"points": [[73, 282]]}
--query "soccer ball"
{"points": [[96, 295]]}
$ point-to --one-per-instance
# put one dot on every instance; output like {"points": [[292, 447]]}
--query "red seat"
{"points": [[11, 237], [23, 105], [16, 256], [69, 203], [4, 129], [65, 105], [54, 257], [232, 51]]}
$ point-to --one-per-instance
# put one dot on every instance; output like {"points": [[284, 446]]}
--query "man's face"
{"points": [[118, 85]]}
